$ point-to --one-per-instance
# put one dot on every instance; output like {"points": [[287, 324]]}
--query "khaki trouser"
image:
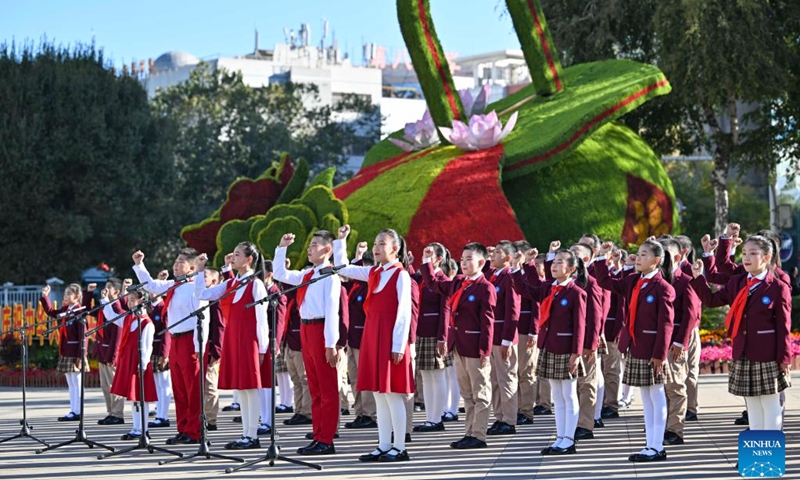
{"points": [[419, 389], [115, 405], [504, 385], [544, 397], [476, 390], [409, 399], [527, 379], [364, 404], [297, 372], [211, 394], [612, 374], [693, 363], [676, 394], [587, 392], [344, 386]]}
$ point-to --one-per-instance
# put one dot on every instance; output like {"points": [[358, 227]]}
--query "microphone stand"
{"points": [[144, 440], [274, 449], [80, 433], [25, 431], [203, 450]]}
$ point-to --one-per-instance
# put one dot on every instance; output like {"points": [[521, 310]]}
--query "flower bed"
{"points": [[37, 378], [716, 352]]}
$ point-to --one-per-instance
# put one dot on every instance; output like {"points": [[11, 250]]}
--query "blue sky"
{"points": [[134, 30]]}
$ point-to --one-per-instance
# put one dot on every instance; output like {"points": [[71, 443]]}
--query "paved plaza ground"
{"points": [[709, 452]]}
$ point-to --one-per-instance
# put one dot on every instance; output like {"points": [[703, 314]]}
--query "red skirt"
{"points": [[126, 379], [266, 371], [239, 368]]}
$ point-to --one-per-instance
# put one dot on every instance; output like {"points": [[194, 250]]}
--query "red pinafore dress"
{"points": [[126, 378], [376, 371], [238, 367]]}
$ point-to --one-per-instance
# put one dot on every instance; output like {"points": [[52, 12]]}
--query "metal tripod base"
{"points": [[80, 437], [25, 432], [144, 444], [271, 456], [204, 452]]}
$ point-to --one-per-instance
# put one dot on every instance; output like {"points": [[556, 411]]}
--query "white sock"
{"points": [[454, 393], [136, 418], [77, 393], [265, 397], [572, 408], [286, 389], [236, 397], [559, 411], [659, 399], [773, 412], [601, 391], [70, 388], [755, 413], [384, 420], [249, 401], [435, 393], [164, 390], [397, 409]]}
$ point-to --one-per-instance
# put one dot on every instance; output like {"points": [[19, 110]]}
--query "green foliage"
{"points": [[324, 178], [86, 172], [322, 201], [231, 234], [44, 357], [297, 183], [297, 210], [270, 237]]}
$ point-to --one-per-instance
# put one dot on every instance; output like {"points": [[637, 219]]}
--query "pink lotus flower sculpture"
{"points": [[475, 105], [483, 131], [418, 135]]}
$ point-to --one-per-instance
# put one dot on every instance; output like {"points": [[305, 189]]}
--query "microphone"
{"points": [[138, 286], [183, 278], [70, 312], [330, 270]]}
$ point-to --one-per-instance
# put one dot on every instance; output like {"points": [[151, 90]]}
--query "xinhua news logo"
{"points": [[762, 453]]}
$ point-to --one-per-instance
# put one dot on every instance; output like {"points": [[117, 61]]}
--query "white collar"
{"points": [[246, 274], [564, 283], [475, 277], [650, 275], [387, 266], [760, 276]]}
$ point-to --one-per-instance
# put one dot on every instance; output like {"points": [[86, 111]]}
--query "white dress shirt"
{"points": [[259, 291], [148, 331], [183, 303], [322, 297], [402, 324]]}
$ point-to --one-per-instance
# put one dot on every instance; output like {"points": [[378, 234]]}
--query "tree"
{"points": [[718, 55], [222, 129], [86, 176]]}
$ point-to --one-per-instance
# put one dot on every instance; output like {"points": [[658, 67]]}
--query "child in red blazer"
{"points": [[759, 323], [69, 347], [562, 330], [385, 366], [471, 307], [453, 397], [645, 340], [267, 382]]}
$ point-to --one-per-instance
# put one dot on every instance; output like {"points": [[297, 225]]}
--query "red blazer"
{"points": [[473, 317], [107, 340], [506, 315], [431, 310], [724, 267], [618, 312], [528, 322], [595, 307], [293, 324], [687, 309], [280, 313], [412, 332], [565, 330], [355, 308], [161, 343], [69, 344], [605, 308], [344, 318], [655, 313], [764, 330]]}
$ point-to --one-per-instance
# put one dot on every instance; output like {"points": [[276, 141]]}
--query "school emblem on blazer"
{"points": [[497, 289], [766, 300], [471, 298], [564, 302], [157, 318], [359, 298], [650, 299]]}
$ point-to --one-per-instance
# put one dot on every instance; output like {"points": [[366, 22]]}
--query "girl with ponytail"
{"points": [[385, 364]]}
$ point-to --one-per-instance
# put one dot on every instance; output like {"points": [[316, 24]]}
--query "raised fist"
{"points": [[91, 287], [287, 240], [555, 245], [138, 256], [709, 244], [531, 255], [605, 247], [732, 230], [229, 259], [202, 259], [104, 294], [344, 231], [46, 290], [697, 268], [490, 250], [631, 260], [362, 248], [429, 252], [127, 283], [410, 257], [163, 275]]}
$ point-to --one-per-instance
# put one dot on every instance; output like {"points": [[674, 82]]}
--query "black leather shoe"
{"points": [[394, 455], [459, 442], [70, 417], [104, 420], [654, 456], [546, 450], [114, 420], [373, 456], [317, 448], [310, 436], [211, 427], [344, 411], [562, 451], [598, 423], [449, 417], [470, 443], [691, 416], [429, 427], [672, 438], [182, 439], [743, 420], [264, 429], [540, 410], [502, 429], [524, 420], [237, 419], [284, 409], [419, 407], [362, 422], [583, 434], [244, 443], [298, 419], [462, 410], [133, 436], [608, 412], [233, 407], [164, 422]]}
